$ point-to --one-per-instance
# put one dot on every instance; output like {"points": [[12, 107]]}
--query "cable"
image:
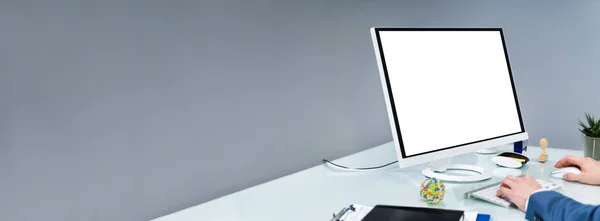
{"points": [[357, 169]]}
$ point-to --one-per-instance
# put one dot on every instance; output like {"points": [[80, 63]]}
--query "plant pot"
{"points": [[591, 147]]}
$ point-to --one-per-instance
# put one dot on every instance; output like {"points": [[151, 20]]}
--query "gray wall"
{"points": [[121, 110]]}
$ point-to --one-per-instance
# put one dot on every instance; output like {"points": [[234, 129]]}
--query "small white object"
{"points": [[506, 162], [470, 216], [560, 173], [488, 151], [435, 172], [488, 193]]}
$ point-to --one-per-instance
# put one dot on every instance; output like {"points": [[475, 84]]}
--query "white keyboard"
{"points": [[488, 193]]}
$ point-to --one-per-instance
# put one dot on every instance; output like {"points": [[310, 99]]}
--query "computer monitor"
{"points": [[448, 91]]}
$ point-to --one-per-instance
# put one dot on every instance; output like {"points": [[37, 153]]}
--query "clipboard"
{"points": [[357, 212]]}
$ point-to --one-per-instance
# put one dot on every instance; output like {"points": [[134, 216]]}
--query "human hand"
{"points": [[590, 169], [518, 189]]}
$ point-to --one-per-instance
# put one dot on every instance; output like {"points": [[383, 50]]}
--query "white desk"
{"points": [[318, 192]]}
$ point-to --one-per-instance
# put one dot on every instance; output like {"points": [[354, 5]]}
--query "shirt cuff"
{"points": [[527, 201]]}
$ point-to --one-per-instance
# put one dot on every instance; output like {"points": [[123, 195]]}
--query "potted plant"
{"points": [[591, 136]]}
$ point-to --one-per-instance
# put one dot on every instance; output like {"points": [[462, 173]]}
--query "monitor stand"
{"points": [[437, 170]]}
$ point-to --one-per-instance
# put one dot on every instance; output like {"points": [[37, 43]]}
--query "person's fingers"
{"points": [[569, 161], [503, 191], [572, 177], [564, 162], [499, 193], [509, 182]]}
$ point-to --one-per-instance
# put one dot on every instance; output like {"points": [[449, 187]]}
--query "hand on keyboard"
{"points": [[518, 189], [490, 193]]}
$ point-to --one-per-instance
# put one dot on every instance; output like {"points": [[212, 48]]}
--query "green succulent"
{"points": [[592, 129]]}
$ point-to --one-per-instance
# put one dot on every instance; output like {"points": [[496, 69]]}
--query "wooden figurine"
{"points": [[543, 156]]}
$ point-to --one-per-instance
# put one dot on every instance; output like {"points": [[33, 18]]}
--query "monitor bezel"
{"points": [[407, 160]]}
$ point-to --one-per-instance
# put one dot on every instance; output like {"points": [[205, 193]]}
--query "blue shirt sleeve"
{"points": [[553, 206]]}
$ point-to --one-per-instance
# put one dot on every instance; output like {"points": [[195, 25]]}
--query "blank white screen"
{"points": [[449, 87]]}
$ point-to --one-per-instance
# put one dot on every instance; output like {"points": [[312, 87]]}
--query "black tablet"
{"points": [[400, 213]]}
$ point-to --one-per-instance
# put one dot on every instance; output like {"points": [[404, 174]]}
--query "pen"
{"points": [[341, 213]]}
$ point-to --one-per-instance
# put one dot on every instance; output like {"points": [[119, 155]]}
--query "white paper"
{"points": [[358, 214], [470, 216]]}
